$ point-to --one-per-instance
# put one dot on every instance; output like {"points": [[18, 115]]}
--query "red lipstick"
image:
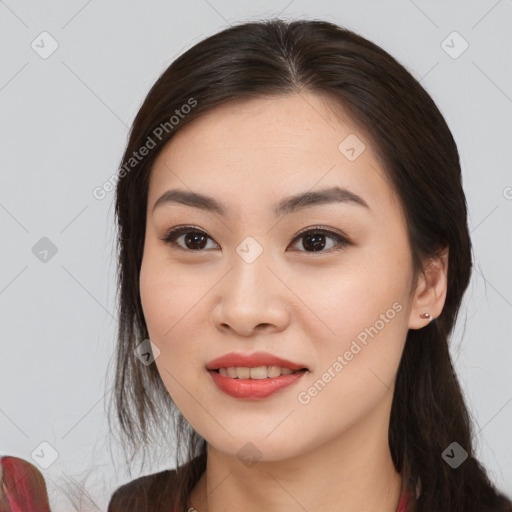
{"points": [[252, 360], [253, 388]]}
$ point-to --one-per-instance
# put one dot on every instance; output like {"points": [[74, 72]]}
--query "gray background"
{"points": [[64, 124]]}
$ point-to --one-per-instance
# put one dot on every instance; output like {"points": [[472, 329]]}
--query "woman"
{"points": [[293, 252]]}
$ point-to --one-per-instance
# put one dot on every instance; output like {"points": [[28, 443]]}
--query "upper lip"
{"points": [[234, 359]]}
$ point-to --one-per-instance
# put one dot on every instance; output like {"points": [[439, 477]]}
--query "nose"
{"points": [[251, 299]]}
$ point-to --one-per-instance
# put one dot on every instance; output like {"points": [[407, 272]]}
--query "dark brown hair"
{"points": [[417, 150]]}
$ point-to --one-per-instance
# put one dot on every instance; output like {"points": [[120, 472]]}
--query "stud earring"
{"points": [[425, 315]]}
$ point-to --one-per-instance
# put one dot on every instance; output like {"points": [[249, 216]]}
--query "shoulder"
{"points": [[139, 494]]}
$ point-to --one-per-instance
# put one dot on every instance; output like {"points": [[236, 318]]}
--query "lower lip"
{"points": [[253, 388]]}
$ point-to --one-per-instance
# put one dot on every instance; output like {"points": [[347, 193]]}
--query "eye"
{"points": [[193, 237], [314, 239]]}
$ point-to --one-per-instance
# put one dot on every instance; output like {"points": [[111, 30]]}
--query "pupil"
{"points": [[192, 238], [317, 241]]}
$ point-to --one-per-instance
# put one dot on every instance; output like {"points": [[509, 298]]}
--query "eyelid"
{"points": [[342, 241], [176, 231]]}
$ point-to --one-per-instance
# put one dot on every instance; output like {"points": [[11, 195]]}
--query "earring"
{"points": [[425, 315]]}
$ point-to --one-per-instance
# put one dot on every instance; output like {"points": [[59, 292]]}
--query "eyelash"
{"points": [[174, 233]]}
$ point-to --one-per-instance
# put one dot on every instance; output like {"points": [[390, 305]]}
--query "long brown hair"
{"points": [[419, 154]]}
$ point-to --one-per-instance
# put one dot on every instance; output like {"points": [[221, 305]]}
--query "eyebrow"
{"points": [[287, 205]]}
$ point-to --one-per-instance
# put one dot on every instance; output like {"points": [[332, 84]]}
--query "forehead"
{"points": [[268, 147]]}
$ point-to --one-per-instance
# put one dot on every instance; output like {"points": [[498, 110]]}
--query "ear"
{"points": [[430, 293]]}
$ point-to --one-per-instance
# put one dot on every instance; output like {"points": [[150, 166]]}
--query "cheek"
{"points": [[172, 307], [164, 293], [357, 365], [155, 298], [168, 312], [343, 301], [358, 312]]}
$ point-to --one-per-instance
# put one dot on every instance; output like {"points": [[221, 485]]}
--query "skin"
{"points": [[331, 453]]}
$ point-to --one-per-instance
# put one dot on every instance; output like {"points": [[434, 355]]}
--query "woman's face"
{"points": [[249, 284]]}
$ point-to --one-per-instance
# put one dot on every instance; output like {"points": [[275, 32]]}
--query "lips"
{"points": [[251, 361], [253, 389]]}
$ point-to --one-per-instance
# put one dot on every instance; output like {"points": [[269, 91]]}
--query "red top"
{"points": [[401, 505]]}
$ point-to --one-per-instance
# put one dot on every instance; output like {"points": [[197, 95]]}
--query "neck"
{"points": [[352, 471]]}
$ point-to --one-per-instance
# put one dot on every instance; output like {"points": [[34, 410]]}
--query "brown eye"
{"points": [[194, 239], [314, 240]]}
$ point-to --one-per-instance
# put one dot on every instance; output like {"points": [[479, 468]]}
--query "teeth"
{"points": [[231, 372], [259, 372]]}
